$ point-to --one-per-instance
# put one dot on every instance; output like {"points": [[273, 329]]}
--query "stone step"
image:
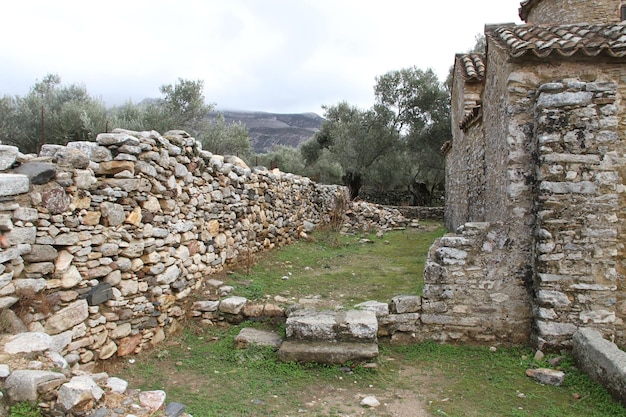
{"points": [[332, 326], [326, 352]]}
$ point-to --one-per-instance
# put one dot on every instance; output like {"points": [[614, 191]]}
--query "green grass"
{"points": [[474, 381], [342, 268], [200, 368]]}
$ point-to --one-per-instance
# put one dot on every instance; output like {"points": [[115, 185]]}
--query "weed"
{"points": [[24, 409]]}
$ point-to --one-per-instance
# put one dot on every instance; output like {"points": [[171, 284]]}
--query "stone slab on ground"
{"points": [[326, 352], [602, 360], [249, 335]]}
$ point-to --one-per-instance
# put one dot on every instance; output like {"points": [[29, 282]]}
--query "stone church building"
{"points": [[536, 182]]}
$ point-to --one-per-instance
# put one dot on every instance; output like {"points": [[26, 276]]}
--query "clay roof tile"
{"points": [[473, 66], [565, 40]]}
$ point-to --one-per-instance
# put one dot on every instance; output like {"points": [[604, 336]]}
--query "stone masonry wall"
{"points": [[102, 242], [561, 12], [554, 157], [581, 158], [471, 293]]}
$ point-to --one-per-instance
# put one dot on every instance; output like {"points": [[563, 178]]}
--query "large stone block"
{"points": [[345, 326], [602, 360], [327, 353], [13, 184]]}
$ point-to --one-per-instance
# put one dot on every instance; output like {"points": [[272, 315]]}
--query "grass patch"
{"points": [[473, 381], [201, 369], [342, 268]]}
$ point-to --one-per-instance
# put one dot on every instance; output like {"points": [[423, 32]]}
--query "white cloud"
{"points": [[273, 55]]}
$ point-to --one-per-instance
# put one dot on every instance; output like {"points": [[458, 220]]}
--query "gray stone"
{"points": [[67, 239], [78, 390], [344, 326], [114, 213], [41, 253], [23, 235], [13, 184], [174, 409], [326, 353], [48, 150], [8, 156], [72, 157], [564, 99], [37, 172], [205, 306], [12, 324], [232, 305], [170, 275], [68, 317], [406, 304], [26, 214], [100, 294], [93, 151], [370, 401], [107, 139], [249, 335], [602, 360], [553, 298], [117, 385], [380, 309], [28, 342], [582, 187], [22, 385], [30, 286], [308, 226], [7, 302], [548, 376]]}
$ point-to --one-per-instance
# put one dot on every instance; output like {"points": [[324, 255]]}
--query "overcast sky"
{"points": [[265, 55]]}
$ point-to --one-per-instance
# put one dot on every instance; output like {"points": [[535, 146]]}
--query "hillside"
{"points": [[269, 129]]}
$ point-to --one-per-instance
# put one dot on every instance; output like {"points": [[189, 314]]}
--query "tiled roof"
{"points": [[473, 66], [566, 40], [525, 8]]}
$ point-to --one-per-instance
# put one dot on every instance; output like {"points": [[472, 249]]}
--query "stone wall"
{"points": [[581, 157], [102, 242], [561, 12], [472, 291]]}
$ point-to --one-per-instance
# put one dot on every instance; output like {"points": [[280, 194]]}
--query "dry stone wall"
{"points": [[102, 242]]}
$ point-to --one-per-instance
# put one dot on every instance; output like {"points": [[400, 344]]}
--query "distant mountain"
{"points": [[269, 129]]}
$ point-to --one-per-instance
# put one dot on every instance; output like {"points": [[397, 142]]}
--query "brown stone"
{"points": [[253, 310], [91, 218], [272, 310], [115, 167], [134, 217], [128, 345], [107, 350], [214, 228]]}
